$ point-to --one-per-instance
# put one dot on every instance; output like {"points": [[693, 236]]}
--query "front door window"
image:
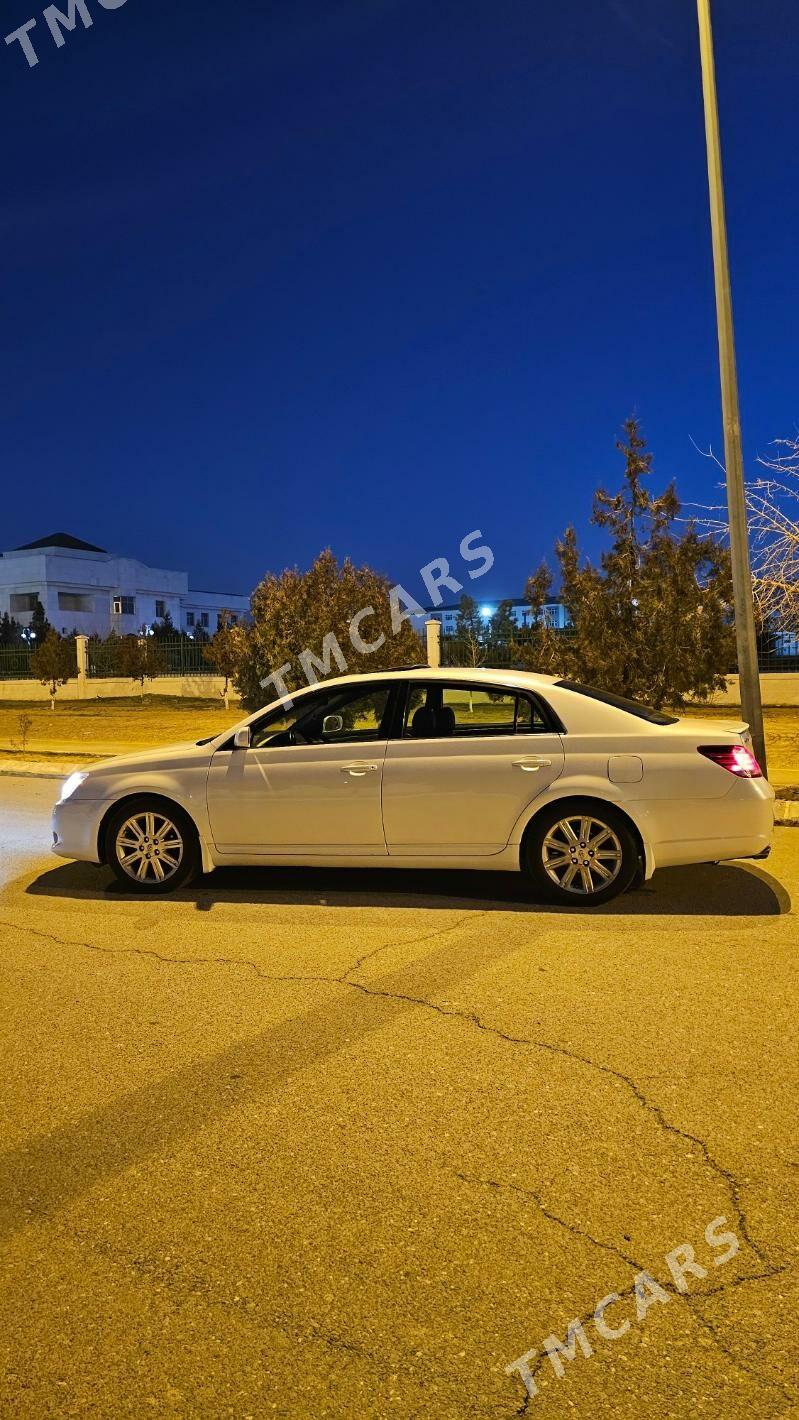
{"points": [[345, 716]]}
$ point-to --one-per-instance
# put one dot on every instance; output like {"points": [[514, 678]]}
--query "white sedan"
{"points": [[417, 768]]}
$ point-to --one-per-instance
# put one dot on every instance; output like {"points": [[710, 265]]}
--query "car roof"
{"points": [[491, 675]]}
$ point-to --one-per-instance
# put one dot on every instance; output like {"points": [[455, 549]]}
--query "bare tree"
{"points": [[772, 505]]}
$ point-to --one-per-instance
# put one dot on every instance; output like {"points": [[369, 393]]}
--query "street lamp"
{"points": [[746, 640]]}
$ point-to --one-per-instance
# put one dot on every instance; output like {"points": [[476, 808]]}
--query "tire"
{"points": [[159, 842], [572, 847]]}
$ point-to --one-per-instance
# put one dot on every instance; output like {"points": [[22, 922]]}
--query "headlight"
{"points": [[71, 784]]}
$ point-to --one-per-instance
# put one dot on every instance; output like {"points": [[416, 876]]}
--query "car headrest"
{"points": [[445, 720], [423, 723]]}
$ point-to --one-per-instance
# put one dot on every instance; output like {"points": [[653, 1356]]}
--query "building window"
{"points": [[160, 610], [203, 618], [74, 601], [189, 618], [225, 618], [23, 601], [124, 606]]}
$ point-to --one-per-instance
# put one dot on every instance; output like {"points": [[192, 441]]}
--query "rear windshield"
{"points": [[632, 707]]}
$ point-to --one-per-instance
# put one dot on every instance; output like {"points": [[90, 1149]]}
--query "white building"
{"points": [[86, 589], [554, 614]]}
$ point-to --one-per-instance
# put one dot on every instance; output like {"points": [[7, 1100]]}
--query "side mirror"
{"points": [[241, 739], [332, 724]]}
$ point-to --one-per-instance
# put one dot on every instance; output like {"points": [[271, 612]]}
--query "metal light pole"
{"points": [[733, 453]]}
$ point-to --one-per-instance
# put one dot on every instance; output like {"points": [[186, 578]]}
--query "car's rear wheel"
{"points": [[580, 854], [152, 846]]}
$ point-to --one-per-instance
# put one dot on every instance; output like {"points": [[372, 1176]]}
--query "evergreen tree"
{"points": [[140, 658], [222, 654], [165, 630], [539, 647], [10, 631], [502, 626], [39, 626], [653, 620], [53, 663], [305, 621], [468, 645]]}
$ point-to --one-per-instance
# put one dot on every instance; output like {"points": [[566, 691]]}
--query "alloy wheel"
{"points": [[149, 847], [582, 855]]}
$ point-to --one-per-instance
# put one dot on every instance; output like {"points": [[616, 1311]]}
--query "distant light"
{"points": [[486, 611]]}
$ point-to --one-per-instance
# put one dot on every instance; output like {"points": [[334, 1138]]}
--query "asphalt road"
{"points": [[345, 1144]]}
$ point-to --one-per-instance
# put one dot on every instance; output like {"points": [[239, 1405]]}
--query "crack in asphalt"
{"points": [[655, 1110], [733, 1186], [302, 978], [587, 1317], [469, 1017], [691, 1301], [408, 942]]}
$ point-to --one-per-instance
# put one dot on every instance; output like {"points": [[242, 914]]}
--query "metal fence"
{"points": [[181, 656], [103, 658], [777, 653], [174, 655], [15, 663]]}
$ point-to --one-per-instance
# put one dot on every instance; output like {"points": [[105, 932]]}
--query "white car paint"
{"points": [[439, 802]]}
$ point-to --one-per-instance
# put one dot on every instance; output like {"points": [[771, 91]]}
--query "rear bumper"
{"points": [[739, 825]]}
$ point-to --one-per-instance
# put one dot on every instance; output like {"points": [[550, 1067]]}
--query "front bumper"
{"points": [[75, 827]]}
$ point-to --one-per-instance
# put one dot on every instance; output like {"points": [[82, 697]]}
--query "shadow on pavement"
{"points": [[726, 890]]}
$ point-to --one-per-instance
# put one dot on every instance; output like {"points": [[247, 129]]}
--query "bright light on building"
{"points": [[486, 612]]}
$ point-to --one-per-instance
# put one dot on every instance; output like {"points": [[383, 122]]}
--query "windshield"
{"points": [[619, 702]]}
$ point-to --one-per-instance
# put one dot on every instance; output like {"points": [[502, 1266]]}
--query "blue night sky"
{"points": [[373, 273]]}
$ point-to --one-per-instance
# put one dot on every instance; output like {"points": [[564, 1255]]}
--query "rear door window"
{"points": [[436, 711]]}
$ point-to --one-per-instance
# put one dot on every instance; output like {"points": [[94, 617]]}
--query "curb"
{"points": [[46, 765], [33, 773]]}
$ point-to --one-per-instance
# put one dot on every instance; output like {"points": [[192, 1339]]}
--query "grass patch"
{"points": [[151, 720]]}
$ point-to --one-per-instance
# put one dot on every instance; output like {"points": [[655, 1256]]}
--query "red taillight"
{"points": [[736, 758]]}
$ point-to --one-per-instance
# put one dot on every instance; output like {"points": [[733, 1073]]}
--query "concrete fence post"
{"points": [[433, 633], [82, 653]]}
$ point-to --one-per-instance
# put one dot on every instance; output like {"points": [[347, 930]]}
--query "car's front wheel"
{"points": [[152, 846], [580, 854]]}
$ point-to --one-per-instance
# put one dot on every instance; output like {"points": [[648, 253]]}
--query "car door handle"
{"points": [[531, 765], [358, 769]]}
